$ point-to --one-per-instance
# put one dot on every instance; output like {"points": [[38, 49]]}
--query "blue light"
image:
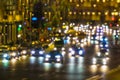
{"points": [[49, 28], [34, 18]]}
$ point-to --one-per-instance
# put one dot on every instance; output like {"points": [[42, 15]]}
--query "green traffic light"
{"points": [[19, 27]]}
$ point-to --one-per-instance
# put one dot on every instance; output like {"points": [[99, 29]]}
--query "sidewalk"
{"points": [[113, 74]]}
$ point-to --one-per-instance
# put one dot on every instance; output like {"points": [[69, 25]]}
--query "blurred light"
{"points": [[104, 68], [32, 59], [93, 68]]}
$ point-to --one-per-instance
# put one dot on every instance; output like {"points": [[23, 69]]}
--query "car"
{"points": [[4, 52], [104, 45], [116, 37], [4, 48], [5, 55], [100, 58], [37, 52], [94, 39], [103, 39], [23, 50], [59, 42], [76, 51], [8, 55], [54, 56]]}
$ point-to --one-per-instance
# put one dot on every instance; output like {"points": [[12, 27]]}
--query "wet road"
{"points": [[32, 68]]}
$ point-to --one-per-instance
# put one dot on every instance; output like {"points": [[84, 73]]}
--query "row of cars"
{"points": [[58, 53], [8, 53], [102, 56]]}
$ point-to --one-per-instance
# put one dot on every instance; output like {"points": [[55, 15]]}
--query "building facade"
{"points": [[14, 13], [83, 10], [18, 12]]}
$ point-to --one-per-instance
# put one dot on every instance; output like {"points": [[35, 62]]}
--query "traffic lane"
{"points": [[33, 70], [114, 58]]}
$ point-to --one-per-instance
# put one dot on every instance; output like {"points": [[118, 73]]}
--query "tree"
{"points": [[60, 9], [64, 9], [38, 14]]}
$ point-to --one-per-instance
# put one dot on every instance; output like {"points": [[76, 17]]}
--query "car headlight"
{"points": [[32, 52], [106, 45], [24, 51], [55, 48], [101, 45], [98, 54], [106, 39], [94, 60], [106, 53], [13, 54], [72, 52], [57, 56], [104, 61], [47, 56], [80, 52], [91, 37], [63, 49], [5, 55], [41, 52], [70, 49]]}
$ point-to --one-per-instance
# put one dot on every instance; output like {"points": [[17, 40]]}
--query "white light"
{"points": [[5, 55], [94, 60], [101, 45], [46, 59], [41, 52], [47, 56], [55, 48], [106, 39], [106, 45], [18, 35], [33, 52], [13, 54], [99, 53], [80, 52], [58, 59], [104, 61], [57, 56], [63, 48], [106, 53]]}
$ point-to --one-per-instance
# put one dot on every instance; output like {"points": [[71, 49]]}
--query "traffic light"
{"points": [[19, 28]]}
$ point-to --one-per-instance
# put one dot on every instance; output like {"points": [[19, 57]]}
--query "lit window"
{"points": [[45, 12], [93, 13], [77, 5], [88, 13], [83, 13], [106, 13], [98, 0], [104, 0], [94, 5], [99, 13], [70, 0], [81, 0], [118, 1], [74, 12], [70, 12]]}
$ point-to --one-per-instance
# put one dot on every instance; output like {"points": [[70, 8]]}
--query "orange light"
{"points": [[113, 18]]}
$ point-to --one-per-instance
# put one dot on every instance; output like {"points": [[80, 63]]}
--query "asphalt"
{"points": [[113, 74]]}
